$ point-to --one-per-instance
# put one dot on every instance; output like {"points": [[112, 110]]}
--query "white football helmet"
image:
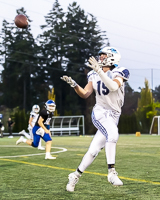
{"points": [[36, 108], [113, 57], [50, 105]]}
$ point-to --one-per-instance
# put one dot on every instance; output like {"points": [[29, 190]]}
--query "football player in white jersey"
{"points": [[107, 81], [32, 120]]}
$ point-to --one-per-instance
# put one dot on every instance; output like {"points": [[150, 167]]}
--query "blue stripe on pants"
{"points": [[99, 126]]}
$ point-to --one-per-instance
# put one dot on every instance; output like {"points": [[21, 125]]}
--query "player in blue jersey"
{"points": [[40, 130]]}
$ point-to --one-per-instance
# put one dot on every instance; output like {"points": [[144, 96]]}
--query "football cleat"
{"points": [[73, 179], [113, 178], [50, 157], [20, 140]]}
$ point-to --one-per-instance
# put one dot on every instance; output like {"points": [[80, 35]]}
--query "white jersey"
{"points": [[110, 100], [34, 116]]}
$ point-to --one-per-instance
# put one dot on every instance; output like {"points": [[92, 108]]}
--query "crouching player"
{"points": [[40, 130]]}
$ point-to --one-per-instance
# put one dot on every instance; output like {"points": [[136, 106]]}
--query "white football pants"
{"points": [[106, 137]]}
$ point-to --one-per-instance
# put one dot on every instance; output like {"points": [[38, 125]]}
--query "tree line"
{"points": [[32, 66]]}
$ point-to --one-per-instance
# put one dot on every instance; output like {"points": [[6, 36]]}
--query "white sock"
{"points": [[110, 170], [48, 154], [110, 149], [24, 140], [40, 143], [77, 174], [27, 135]]}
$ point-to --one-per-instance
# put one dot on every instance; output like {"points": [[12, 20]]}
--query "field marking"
{"points": [[86, 172], [38, 154], [16, 146]]}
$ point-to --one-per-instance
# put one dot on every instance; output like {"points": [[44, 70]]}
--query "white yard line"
{"points": [[38, 154]]}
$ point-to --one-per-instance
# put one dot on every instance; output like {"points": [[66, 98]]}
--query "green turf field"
{"points": [[33, 177]]}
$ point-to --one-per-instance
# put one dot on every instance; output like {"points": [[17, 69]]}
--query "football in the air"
{"points": [[21, 21]]}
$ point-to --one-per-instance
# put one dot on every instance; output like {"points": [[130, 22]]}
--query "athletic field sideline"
{"points": [[25, 174]]}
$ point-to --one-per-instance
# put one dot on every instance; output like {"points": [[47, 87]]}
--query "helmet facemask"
{"points": [[51, 108]]}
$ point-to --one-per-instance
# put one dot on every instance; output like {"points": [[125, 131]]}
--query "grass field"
{"points": [[33, 177]]}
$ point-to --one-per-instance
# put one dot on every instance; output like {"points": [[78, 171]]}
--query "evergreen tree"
{"points": [[156, 93], [130, 100], [146, 108], [31, 69], [83, 40], [128, 124], [66, 45], [52, 51], [128, 120], [18, 49]]}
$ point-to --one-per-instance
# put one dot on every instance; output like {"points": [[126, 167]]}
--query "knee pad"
{"points": [[113, 138], [94, 151]]}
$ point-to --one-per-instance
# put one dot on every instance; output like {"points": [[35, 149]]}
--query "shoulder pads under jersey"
{"points": [[121, 72]]}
